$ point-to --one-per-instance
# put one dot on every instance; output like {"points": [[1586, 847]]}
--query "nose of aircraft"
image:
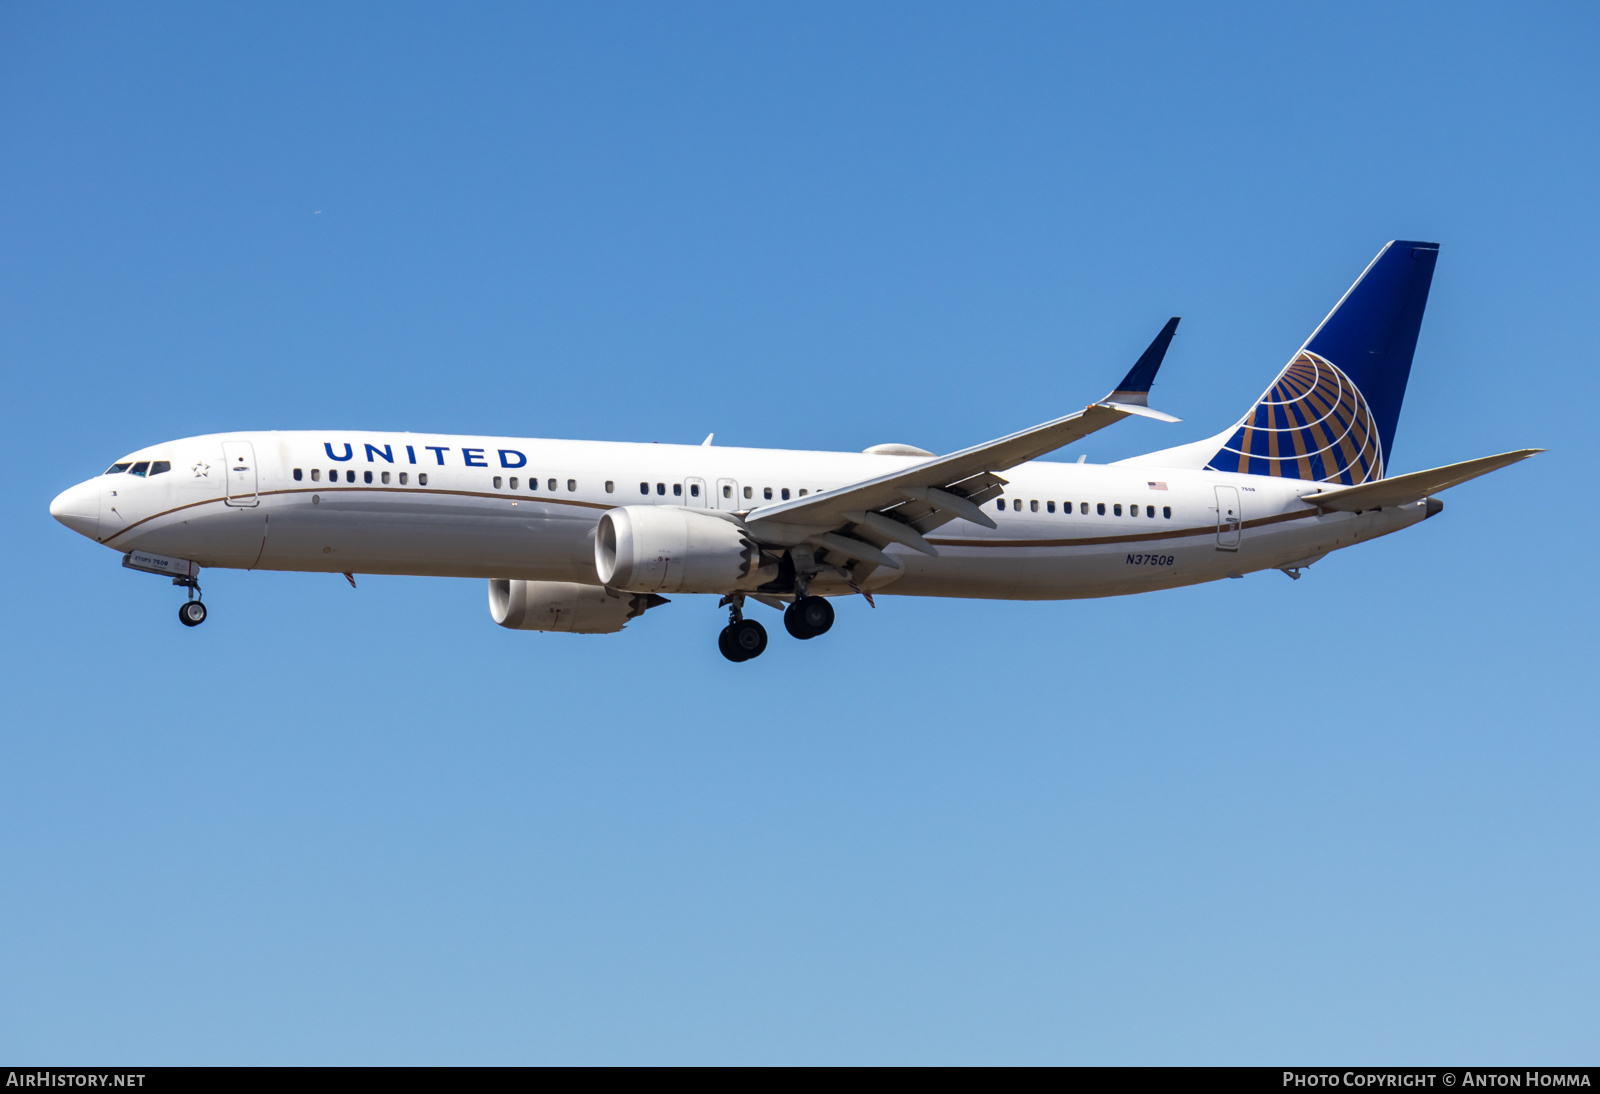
{"points": [[78, 507]]}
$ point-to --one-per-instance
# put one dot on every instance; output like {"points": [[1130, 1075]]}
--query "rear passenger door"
{"points": [[1230, 518]]}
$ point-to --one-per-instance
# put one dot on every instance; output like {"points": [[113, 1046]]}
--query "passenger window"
{"points": [[727, 491], [1033, 507], [1016, 505], [404, 478], [1149, 510], [1099, 508], [316, 474], [1049, 507], [512, 482], [550, 484], [350, 476], [297, 475], [496, 481], [422, 478], [1166, 511], [1001, 505], [1083, 509], [661, 488], [802, 491], [677, 489], [644, 488], [572, 485], [140, 468], [160, 467], [766, 492], [1116, 510], [694, 490], [366, 476], [385, 477], [118, 468], [785, 493], [610, 486], [747, 491]]}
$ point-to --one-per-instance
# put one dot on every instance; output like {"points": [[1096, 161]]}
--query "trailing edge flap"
{"points": [[828, 509], [1403, 489]]}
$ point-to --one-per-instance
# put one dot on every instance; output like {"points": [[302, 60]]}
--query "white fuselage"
{"points": [[506, 507]]}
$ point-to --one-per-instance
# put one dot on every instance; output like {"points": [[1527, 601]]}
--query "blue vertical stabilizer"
{"points": [[1331, 413]]}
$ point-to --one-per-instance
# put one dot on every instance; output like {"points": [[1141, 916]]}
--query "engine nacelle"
{"points": [[661, 549], [565, 606]]}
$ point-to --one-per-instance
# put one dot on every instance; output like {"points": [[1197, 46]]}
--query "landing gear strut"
{"points": [[742, 638], [192, 612], [808, 617]]}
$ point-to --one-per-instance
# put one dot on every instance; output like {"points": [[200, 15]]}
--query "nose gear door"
{"points": [[239, 457], [1230, 518]]}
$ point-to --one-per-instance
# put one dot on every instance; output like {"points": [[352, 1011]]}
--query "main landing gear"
{"points": [[192, 612], [808, 617], [744, 638]]}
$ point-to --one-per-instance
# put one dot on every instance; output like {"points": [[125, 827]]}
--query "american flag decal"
{"points": [[1158, 486]]}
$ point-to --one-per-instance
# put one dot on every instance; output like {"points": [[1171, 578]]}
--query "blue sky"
{"points": [[1350, 818]]}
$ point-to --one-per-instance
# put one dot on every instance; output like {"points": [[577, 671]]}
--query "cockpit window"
{"points": [[118, 468], [160, 466], [140, 468]]}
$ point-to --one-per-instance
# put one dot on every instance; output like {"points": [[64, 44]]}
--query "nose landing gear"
{"points": [[192, 612], [742, 639]]}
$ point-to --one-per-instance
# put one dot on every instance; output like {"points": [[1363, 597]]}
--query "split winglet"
{"points": [[1135, 387]]}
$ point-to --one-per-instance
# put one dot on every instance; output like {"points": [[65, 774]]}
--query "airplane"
{"points": [[585, 536]]}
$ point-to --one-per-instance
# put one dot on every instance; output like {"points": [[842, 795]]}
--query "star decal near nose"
{"points": [[201, 470]]}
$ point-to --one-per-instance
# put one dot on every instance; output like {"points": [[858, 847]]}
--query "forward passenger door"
{"points": [[239, 461]]}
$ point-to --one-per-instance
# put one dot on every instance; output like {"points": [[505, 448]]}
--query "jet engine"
{"points": [[565, 606], [660, 549]]}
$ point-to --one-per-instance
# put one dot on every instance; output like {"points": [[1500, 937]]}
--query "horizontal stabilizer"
{"points": [[1403, 489]]}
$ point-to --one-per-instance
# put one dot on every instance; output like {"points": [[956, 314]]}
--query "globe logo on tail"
{"points": [[1313, 423]]}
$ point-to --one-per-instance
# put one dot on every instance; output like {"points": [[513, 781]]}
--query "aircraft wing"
{"points": [[901, 505], [1402, 489]]}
